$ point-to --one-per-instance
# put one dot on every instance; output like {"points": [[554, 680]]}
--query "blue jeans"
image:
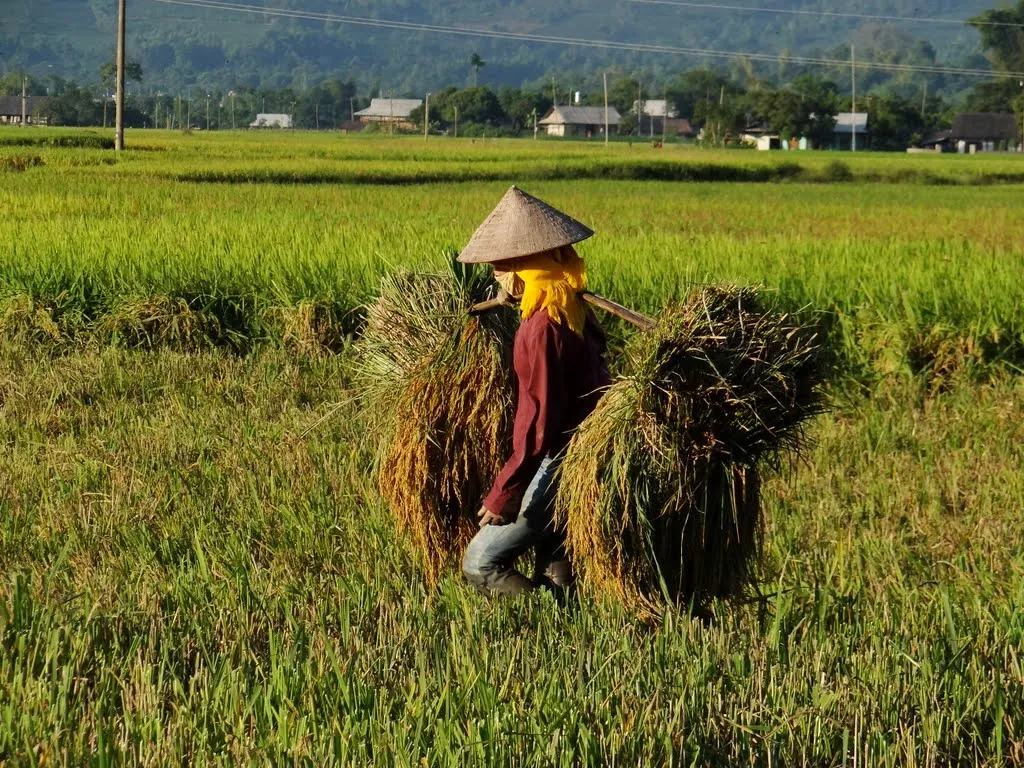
{"points": [[489, 562]]}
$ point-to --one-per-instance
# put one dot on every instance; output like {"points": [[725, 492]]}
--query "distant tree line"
{"points": [[327, 105], [182, 47], [722, 104], [715, 105]]}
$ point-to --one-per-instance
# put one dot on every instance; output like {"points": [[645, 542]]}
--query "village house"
{"points": [[11, 110], [976, 132], [392, 112], [848, 125], [580, 121], [658, 116], [272, 120]]}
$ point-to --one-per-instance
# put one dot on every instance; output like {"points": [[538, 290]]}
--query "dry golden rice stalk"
{"points": [[437, 384], [660, 490]]}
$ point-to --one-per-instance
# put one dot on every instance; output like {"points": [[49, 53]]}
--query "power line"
{"points": [[587, 43], [840, 14]]}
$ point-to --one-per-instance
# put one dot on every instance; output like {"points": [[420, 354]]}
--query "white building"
{"points": [[848, 125], [396, 111], [271, 120], [579, 121]]}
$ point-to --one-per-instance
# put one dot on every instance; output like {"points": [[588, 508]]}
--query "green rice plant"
{"points": [[437, 384], [193, 574], [20, 162], [904, 257], [660, 488]]}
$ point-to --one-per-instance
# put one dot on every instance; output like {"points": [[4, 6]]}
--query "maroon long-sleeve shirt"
{"points": [[559, 378]]}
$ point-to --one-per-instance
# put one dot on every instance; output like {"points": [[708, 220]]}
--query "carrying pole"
{"points": [[625, 313]]}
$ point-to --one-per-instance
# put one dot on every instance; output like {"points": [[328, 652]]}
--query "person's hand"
{"points": [[489, 518]]}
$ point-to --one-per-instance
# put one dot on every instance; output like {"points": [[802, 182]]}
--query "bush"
{"points": [[837, 170]]}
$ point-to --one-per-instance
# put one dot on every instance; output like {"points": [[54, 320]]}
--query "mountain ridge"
{"points": [[181, 46]]}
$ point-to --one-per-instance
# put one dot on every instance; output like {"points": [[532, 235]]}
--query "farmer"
{"points": [[560, 371]]}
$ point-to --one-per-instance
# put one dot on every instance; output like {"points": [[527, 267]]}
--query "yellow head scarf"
{"points": [[552, 281]]}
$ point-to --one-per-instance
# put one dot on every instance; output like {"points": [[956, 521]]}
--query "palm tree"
{"points": [[477, 63]]}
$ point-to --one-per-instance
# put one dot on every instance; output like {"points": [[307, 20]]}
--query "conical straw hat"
{"points": [[521, 225]]}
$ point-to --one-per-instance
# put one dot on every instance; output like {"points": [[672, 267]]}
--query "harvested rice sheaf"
{"points": [[660, 491], [438, 388]]}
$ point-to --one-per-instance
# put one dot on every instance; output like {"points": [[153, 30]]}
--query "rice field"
{"points": [[196, 565]]}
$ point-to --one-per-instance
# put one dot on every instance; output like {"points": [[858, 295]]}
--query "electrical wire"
{"points": [[587, 43], [840, 14]]}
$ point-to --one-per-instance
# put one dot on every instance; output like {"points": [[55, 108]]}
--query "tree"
{"points": [[696, 86], [477, 63], [108, 73], [478, 106], [325, 105], [807, 108], [1004, 95], [520, 106], [821, 104], [896, 123], [993, 96], [1002, 36], [722, 120], [622, 94], [75, 106], [11, 84], [713, 101]]}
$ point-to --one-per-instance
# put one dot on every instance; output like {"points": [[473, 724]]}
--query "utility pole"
{"points": [[232, 110], [426, 115], [639, 108], [119, 96], [207, 112], [853, 103], [924, 100], [456, 122], [664, 115], [554, 93], [24, 100], [604, 75], [156, 113], [188, 112], [351, 109], [534, 123]]}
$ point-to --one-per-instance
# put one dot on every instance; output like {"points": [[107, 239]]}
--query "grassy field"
{"points": [[197, 569]]}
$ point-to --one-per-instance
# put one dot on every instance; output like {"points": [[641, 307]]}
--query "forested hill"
{"points": [[180, 46]]}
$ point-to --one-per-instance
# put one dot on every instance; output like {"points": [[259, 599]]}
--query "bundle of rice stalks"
{"points": [[660, 491], [437, 384], [160, 321]]}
